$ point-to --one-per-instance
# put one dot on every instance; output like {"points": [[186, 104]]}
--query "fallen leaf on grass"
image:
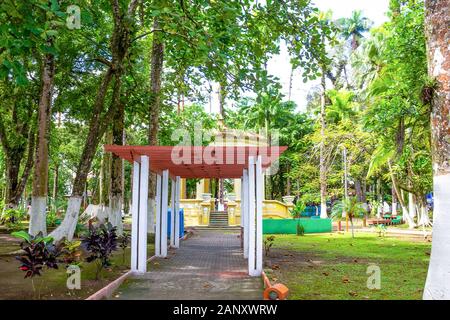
{"points": [[326, 274], [345, 280], [275, 267], [353, 293]]}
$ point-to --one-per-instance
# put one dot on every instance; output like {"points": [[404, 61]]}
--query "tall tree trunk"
{"points": [[322, 165], [97, 128], [56, 173], [437, 21], [379, 199], [423, 219], [406, 215], [120, 43], [105, 172], [157, 61], [115, 213], [394, 203], [40, 175], [411, 205]]}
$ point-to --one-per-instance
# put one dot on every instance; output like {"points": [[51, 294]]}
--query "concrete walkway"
{"points": [[209, 266]]}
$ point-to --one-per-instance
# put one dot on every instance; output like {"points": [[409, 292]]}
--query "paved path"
{"points": [[209, 265]]}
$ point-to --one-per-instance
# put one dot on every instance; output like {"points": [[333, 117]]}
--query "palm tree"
{"points": [[354, 27], [351, 207], [296, 213], [342, 105], [269, 112]]}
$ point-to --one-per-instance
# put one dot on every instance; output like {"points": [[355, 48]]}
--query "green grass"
{"points": [[318, 266]]}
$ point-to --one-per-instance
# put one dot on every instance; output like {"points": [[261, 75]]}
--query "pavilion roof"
{"points": [[199, 161]]}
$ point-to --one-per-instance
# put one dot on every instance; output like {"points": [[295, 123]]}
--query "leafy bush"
{"points": [[124, 242], [100, 242], [53, 219], [39, 252], [81, 227], [71, 252], [268, 243], [11, 218]]}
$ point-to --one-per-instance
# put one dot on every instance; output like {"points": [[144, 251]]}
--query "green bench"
{"points": [[397, 220]]}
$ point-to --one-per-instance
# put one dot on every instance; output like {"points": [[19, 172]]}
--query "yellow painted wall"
{"points": [[194, 211]]}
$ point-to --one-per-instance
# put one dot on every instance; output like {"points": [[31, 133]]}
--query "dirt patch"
{"points": [[285, 259]]}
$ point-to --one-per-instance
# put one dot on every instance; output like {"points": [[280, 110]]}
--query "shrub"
{"points": [[124, 242], [52, 219], [268, 243], [39, 252], [71, 252], [11, 218], [81, 226], [100, 242]]}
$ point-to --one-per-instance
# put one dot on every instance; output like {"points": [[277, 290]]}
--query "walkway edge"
{"points": [[108, 290]]}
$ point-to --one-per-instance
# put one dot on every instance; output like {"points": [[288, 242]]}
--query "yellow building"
{"points": [[202, 210]]}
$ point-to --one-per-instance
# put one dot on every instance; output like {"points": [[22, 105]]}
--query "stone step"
{"points": [[224, 228]]}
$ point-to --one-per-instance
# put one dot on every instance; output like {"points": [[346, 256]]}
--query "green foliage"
{"points": [[39, 252], [52, 219], [350, 206], [124, 241], [298, 209], [381, 229], [268, 243], [12, 218], [71, 252], [300, 229], [100, 243]]}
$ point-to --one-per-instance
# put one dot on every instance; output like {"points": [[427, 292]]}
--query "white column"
{"points": [[158, 217], [252, 218], [164, 205], [241, 197], [172, 212], [135, 217], [177, 211], [245, 212], [259, 189], [143, 202]]}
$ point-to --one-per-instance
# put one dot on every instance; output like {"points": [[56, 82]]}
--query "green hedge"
{"points": [[289, 226]]}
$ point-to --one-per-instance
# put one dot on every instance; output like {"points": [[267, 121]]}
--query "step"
{"points": [[218, 228]]}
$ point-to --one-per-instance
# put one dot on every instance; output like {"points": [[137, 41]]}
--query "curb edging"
{"points": [[109, 289]]}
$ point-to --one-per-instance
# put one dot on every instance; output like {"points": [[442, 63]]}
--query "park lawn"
{"points": [[333, 266]]}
